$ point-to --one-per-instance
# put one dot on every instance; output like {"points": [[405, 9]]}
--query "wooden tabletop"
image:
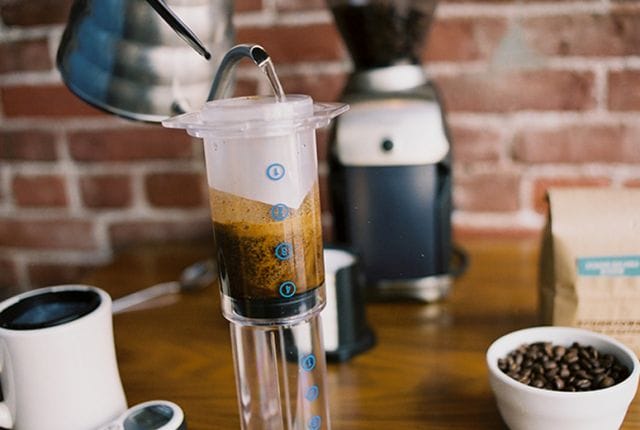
{"points": [[427, 370]]}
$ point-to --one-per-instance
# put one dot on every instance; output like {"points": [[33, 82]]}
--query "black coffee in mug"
{"points": [[49, 309]]}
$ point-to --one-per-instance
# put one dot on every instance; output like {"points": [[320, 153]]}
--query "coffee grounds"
{"points": [[382, 34], [259, 255], [558, 368]]}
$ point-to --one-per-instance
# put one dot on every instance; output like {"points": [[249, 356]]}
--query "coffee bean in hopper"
{"points": [[559, 368]]}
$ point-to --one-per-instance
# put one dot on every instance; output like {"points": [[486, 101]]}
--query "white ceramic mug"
{"points": [[57, 360]]}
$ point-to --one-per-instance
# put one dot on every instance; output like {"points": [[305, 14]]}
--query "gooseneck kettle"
{"points": [[123, 56]]}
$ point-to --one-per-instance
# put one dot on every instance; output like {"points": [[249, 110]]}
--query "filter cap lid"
{"points": [[256, 116]]}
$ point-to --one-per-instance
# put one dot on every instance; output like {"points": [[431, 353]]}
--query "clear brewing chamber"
{"points": [[262, 173]]}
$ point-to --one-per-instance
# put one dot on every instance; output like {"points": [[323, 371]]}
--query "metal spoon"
{"points": [[193, 278]]}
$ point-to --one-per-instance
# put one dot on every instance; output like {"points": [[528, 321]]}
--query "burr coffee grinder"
{"points": [[390, 155]]}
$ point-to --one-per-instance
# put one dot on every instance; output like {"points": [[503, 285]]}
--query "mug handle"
{"points": [[6, 421]]}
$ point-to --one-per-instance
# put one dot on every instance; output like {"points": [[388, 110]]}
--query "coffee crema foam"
{"points": [[247, 239]]}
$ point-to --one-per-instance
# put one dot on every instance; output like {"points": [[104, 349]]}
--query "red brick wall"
{"points": [[539, 93]]}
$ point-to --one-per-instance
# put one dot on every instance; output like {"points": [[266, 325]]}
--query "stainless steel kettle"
{"points": [[122, 57]]}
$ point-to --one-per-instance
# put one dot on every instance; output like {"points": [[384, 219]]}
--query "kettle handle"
{"points": [[179, 27]]}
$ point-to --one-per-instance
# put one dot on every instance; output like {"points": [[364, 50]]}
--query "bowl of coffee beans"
{"points": [[562, 378]]}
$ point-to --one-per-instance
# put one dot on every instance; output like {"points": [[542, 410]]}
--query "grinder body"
{"points": [[391, 183]]}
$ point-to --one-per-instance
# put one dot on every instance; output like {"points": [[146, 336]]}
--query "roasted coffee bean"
{"points": [[583, 375], [525, 380], [607, 381], [559, 351], [562, 368], [502, 364], [537, 383], [570, 357], [584, 353], [550, 374], [548, 349], [583, 384], [585, 364], [558, 384]]}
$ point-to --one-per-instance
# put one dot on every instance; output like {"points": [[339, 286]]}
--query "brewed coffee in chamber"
{"points": [[49, 309], [262, 247]]}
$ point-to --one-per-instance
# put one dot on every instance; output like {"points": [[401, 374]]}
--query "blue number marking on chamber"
{"points": [[287, 289], [312, 393], [275, 171], [284, 251], [315, 422], [308, 362], [279, 212]]}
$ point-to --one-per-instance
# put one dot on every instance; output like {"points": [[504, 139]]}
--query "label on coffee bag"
{"points": [[590, 262], [628, 265]]}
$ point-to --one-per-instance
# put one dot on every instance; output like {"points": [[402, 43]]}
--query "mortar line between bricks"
{"points": [[585, 63], [54, 41], [569, 64], [57, 256], [177, 214], [68, 124], [106, 167], [70, 170], [621, 176], [101, 232], [484, 167], [262, 18], [600, 87], [473, 10], [515, 220], [270, 5], [311, 68], [5, 191], [17, 79], [566, 170], [533, 170], [14, 33], [508, 132], [543, 118], [22, 273], [110, 215], [526, 192], [268, 18], [138, 194], [158, 214]]}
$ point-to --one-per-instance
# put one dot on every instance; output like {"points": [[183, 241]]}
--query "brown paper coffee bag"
{"points": [[590, 262]]}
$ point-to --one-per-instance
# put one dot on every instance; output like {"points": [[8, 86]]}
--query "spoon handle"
{"points": [[125, 302]]}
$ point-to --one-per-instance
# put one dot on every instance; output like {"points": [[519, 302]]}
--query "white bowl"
{"points": [[528, 408]]}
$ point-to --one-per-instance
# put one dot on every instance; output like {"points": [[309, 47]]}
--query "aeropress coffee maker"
{"points": [[261, 164], [390, 155]]}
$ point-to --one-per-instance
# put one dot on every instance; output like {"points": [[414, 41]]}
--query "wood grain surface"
{"points": [[427, 370]]}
